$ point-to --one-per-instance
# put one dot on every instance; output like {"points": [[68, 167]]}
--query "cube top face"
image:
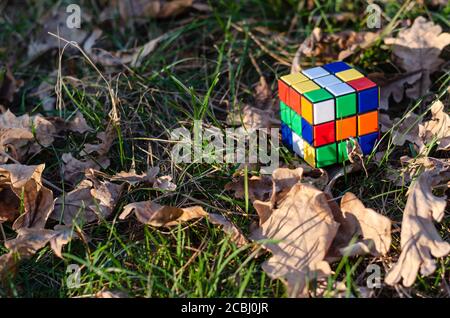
{"points": [[318, 95], [315, 72], [340, 89], [294, 78], [349, 75], [336, 67], [327, 81], [361, 84], [323, 109], [305, 87]]}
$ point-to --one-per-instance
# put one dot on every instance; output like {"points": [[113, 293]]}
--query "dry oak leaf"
{"points": [[417, 49], [259, 187], [9, 85], [413, 130], [154, 214], [132, 178], [327, 45], [259, 115], [134, 56], [304, 226], [73, 169], [29, 241], [77, 124], [111, 294], [22, 182], [106, 139], [396, 86], [438, 127], [141, 9], [151, 213], [92, 200], [56, 23], [373, 228], [420, 241], [17, 138], [264, 186]]}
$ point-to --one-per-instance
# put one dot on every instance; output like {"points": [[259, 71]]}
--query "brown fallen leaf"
{"points": [[133, 57], [25, 182], [228, 228], [55, 22], [417, 49], [413, 130], [141, 9], [373, 228], [420, 241], [132, 178], [438, 127], [262, 187], [151, 213], [304, 226], [77, 124], [332, 46], [92, 200], [73, 169], [260, 114], [23, 135], [259, 187], [9, 85], [106, 139], [396, 86], [111, 294], [29, 241]]}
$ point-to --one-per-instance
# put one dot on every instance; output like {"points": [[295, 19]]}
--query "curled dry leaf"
{"points": [[17, 138], [373, 228], [55, 22], [29, 241], [92, 200], [327, 45], [259, 115], [396, 86], [262, 187], [151, 213], [20, 182], [304, 226], [417, 49], [420, 241], [259, 187], [438, 127], [73, 169], [111, 294], [313, 229], [77, 124], [9, 85], [413, 130], [132, 178], [142, 9], [133, 57], [106, 139], [412, 167]]}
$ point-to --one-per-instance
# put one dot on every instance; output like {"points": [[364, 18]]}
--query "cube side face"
{"points": [[332, 105]]}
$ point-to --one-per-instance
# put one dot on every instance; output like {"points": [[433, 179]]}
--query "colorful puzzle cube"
{"points": [[322, 108]]}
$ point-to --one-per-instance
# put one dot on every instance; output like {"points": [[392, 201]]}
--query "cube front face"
{"points": [[324, 108]]}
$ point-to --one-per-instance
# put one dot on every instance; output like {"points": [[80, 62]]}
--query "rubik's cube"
{"points": [[323, 107]]}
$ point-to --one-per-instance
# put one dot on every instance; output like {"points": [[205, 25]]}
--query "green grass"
{"points": [[201, 71]]}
